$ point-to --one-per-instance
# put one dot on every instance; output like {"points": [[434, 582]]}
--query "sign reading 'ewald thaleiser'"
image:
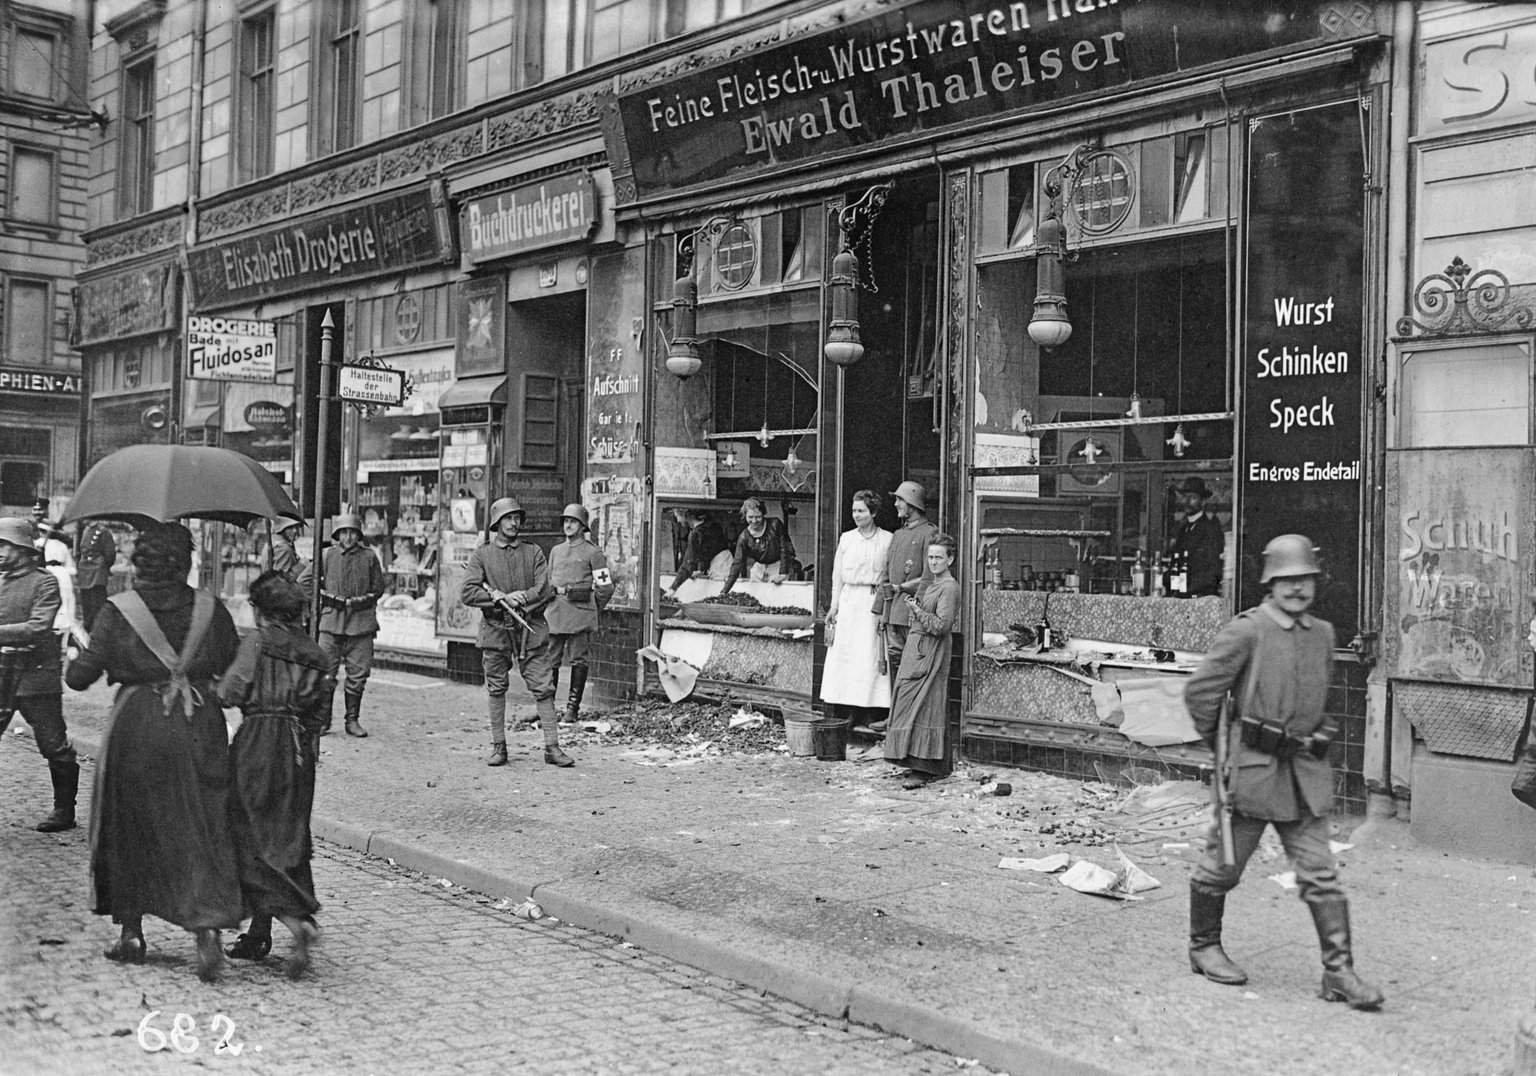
{"points": [[929, 65]]}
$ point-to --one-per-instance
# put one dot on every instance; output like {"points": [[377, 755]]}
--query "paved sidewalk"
{"points": [[828, 884]]}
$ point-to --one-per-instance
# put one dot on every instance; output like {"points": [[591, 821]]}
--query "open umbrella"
{"points": [[166, 482]]}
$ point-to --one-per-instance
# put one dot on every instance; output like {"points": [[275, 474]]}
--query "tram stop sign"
{"points": [[371, 385]]}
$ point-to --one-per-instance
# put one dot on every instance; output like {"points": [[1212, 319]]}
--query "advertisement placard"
{"points": [[231, 349]]}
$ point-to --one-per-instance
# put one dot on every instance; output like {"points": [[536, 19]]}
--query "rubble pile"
{"points": [[656, 722]]}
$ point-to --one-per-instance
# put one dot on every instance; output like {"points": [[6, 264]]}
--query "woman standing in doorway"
{"points": [[915, 738], [852, 676], [763, 549]]}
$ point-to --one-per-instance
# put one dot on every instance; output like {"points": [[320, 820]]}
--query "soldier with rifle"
{"points": [[1277, 658], [905, 565], [508, 581]]}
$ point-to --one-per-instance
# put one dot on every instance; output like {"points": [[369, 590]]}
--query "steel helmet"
{"points": [[346, 521], [1288, 556], [912, 493], [501, 507], [576, 512], [19, 532]]}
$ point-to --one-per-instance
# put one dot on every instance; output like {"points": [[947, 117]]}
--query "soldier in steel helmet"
{"points": [[508, 581], [1275, 660], [583, 585], [351, 584], [30, 669], [285, 552], [906, 565]]}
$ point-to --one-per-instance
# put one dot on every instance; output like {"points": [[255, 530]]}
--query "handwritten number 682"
{"points": [[152, 1039]]}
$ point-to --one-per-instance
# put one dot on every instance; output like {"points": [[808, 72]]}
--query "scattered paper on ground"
{"points": [[1045, 864], [1285, 879], [1124, 884]]}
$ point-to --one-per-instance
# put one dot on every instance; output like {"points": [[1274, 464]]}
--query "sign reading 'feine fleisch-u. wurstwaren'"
{"points": [[930, 65]]}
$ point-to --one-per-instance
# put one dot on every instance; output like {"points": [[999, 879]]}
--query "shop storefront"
{"points": [[1456, 672], [1188, 196]]}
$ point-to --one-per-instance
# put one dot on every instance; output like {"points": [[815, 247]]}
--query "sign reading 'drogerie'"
{"points": [[384, 235], [929, 65], [231, 349], [371, 385], [545, 214]]}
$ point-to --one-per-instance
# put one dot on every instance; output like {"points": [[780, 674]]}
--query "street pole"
{"points": [[322, 432]]}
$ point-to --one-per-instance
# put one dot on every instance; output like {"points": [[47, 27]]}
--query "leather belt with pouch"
{"points": [[1272, 739]]}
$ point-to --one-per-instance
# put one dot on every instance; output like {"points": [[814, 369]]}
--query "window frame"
{"points": [[1453, 348], [337, 122], [256, 139], [51, 189], [434, 79], [12, 283], [136, 150], [30, 22]]}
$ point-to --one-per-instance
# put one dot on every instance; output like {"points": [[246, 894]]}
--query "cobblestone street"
{"points": [[413, 976]]}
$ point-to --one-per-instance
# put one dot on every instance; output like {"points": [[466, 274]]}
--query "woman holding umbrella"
{"points": [[282, 681], [160, 836]]}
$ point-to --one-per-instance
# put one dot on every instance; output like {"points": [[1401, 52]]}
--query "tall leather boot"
{"points": [[354, 701], [552, 753], [578, 687], [66, 783], [496, 708], [1340, 983], [1206, 956]]}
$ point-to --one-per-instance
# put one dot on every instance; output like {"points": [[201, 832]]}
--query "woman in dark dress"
{"points": [[282, 683], [915, 736], [160, 841], [764, 542]]}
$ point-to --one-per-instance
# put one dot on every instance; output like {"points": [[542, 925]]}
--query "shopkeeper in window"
{"points": [[705, 540], [1200, 539], [763, 549]]}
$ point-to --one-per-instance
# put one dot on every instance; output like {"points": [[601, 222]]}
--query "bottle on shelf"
{"points": [[1159, 576], [1139, 575], [1179, 584], [994, 567]]}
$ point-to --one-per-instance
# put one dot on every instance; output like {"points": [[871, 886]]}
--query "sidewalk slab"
{"points": [[828, 884]]}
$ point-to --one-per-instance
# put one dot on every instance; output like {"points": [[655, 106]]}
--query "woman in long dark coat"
{"points": [[160, 840], [915, 735], [282, 683]]}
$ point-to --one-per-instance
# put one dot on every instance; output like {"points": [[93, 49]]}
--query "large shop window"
{"points": [[1120, 423], [744, 426]]}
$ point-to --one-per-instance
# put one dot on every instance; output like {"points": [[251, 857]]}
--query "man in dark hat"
{"points": [[1199, 539], [905, 565], [29, 664]]}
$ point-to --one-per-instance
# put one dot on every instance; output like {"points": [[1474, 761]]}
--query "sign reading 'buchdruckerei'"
{"points": [[545, 214], [929, 65], [384, 235]]}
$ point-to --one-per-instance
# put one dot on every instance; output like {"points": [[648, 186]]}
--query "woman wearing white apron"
{"points": [[851, 677]]}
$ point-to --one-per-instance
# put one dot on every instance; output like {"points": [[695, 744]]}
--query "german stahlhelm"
{"points": [[346, 521], [912, 493], [576, 512], [1290, 556], [18, 532], [504, 506]]}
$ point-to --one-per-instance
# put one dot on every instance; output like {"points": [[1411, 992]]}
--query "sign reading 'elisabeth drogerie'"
{"points": [[231, 349]]}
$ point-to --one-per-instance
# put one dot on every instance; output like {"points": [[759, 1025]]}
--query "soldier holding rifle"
{"points": [[508, 581], [907, 562], [1276, 658]]}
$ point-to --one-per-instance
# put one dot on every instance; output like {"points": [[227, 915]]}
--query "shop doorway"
{"points": [[892, 400], [546, 339]]}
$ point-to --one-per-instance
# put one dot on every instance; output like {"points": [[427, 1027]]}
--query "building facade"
{"points": [[1096, 255], [44, 119]]}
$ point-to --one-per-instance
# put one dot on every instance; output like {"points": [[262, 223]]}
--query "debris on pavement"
{"points": [[746, 717], [1123, 884], [528, 909], [1044, 864], [1285, 880]]}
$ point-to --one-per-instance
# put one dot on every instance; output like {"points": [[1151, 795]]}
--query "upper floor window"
{"points": [[136, 173], [256, 102], [33, 197], [432, 87], [686, 16], [340, 62], [28, 322], [38, 55]]}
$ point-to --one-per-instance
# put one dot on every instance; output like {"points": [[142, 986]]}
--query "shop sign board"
{"points": [[383, 235], [542, 496], [39, 382], [267, 416], [231, 349], [1302, 367], [127, 303], [1456, 600], [561, 209], [928, 66], [377, 385]]}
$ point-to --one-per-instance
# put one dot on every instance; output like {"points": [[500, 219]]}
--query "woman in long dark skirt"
{"points": [[282, 684], [160, 815], [915, 735]]}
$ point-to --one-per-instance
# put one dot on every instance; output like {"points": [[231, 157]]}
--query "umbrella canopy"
{"points": [[166, 482]]}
